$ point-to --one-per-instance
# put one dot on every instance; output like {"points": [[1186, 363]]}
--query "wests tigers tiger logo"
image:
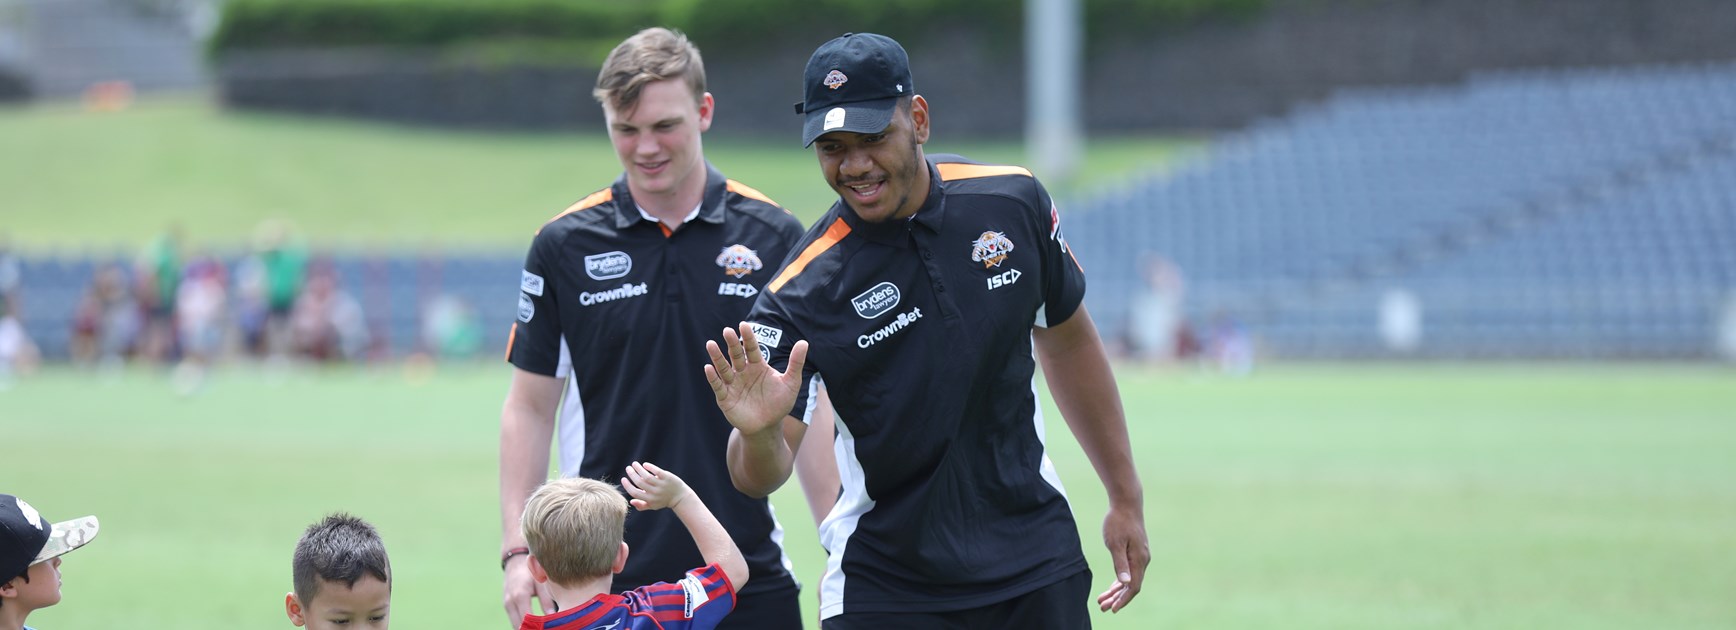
{"points": [[991, 249], [739, 261]]}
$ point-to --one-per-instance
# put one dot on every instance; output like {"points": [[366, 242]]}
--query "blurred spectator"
{"points": [[450, 328], [1401, 320], [327, 323], [158, 282], [252, 306], [269, 283], [11, 277], [1229, 345], [106, 323], [1727, 329], [1155, 320], [200, 308], [18, 354]]}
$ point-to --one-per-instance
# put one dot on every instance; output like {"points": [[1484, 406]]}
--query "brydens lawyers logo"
{"points": [[991, 249], [835, 79], [737, 260], [876, 301], [608, 266]]}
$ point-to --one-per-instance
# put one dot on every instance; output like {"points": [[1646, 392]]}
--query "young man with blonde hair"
{"points": [[618, 294]]}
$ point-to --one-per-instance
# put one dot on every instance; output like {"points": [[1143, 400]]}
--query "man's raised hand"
{"points": [[753, 396]]}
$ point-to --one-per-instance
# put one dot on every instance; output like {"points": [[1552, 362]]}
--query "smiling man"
{"points": [[617, 295], [918, 300]]}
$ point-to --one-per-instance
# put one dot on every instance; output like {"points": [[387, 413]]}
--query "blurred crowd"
{"points": [[275, 304]]}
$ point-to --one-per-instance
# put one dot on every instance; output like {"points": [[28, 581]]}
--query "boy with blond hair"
{"points": [[343, 578], [574, 529]]}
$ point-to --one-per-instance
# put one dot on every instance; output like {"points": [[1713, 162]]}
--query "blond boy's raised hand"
{"points": [[652, 488]]}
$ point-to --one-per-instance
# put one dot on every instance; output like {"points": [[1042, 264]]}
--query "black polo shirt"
{"points": [[621, 308], [921, 332]]}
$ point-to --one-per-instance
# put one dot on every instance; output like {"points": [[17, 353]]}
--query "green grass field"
{"points": [[1330, 497], [107, 181]]}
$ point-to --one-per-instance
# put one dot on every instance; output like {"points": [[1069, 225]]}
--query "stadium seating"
{"points": [[1572, 214]]}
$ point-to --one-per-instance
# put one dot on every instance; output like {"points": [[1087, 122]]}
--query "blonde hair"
{"points": [[654, 54], [574, 527]]}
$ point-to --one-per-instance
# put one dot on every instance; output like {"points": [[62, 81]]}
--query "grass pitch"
{"points": [[1383, 496]]}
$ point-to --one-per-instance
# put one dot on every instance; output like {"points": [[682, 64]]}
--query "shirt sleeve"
{"points": [[1063, 278], [535, 341], [699, 601], [777, 333]]}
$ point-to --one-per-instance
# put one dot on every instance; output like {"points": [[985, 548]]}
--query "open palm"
{"points": [[753, 396]]}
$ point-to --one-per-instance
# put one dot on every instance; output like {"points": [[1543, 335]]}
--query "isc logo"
{"points": [[1003, 279], [738, 289]]}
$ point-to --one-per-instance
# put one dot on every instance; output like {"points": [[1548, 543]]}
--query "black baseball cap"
{"points": [[853, 83], [27, 538]]}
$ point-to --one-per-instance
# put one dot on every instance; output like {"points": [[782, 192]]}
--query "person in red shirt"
{"points": [[574, 529]]}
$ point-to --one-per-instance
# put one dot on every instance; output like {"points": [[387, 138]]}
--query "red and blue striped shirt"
{"points": [[698, 602]]}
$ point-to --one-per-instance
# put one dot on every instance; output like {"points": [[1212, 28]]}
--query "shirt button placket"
{"points": [[671, 279]]}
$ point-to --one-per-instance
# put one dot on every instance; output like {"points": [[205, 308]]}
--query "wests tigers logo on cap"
{"points": [[737, 260], [991, 249], [835, 79]]}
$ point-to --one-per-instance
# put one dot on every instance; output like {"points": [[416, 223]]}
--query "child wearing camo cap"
{"points": [[30, 550]]}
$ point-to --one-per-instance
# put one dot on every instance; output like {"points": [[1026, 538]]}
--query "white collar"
{"points": [[690, 216]]}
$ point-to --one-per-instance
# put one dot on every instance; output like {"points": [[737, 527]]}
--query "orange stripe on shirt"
{"points": [[510, 337], [591, 201], [748, 191], [834, 233], [953, 171]]}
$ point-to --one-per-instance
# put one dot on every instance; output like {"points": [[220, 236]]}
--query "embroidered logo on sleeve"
{"points": [[1055, 227], [696, 594], [531, 283], [768, 338], [526, 308]]}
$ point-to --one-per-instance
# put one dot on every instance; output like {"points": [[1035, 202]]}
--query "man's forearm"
{"points": [[759, 463], [1080, 380], [524, 465]]}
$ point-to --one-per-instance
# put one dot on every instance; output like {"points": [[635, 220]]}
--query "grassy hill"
{"points": [[81, 180]]}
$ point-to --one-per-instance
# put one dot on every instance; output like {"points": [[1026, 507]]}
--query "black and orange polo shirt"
{"points": [[621, 307], [920, 330]]}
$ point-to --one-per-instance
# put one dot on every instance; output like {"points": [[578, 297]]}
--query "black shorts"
{"points": [[1064, 604], [781, 608]]}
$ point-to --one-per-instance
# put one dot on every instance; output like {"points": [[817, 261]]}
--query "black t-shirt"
{"points": [[920, 330], [622, 308]]}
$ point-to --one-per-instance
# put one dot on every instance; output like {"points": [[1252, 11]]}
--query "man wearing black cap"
{"points": [[917, 300], [30, 550]]}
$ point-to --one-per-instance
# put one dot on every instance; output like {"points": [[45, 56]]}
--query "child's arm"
{"points": [[653, 488]]}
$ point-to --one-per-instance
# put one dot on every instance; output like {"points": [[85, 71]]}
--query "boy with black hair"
{"points": [[30, 550], [342, 576]]}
